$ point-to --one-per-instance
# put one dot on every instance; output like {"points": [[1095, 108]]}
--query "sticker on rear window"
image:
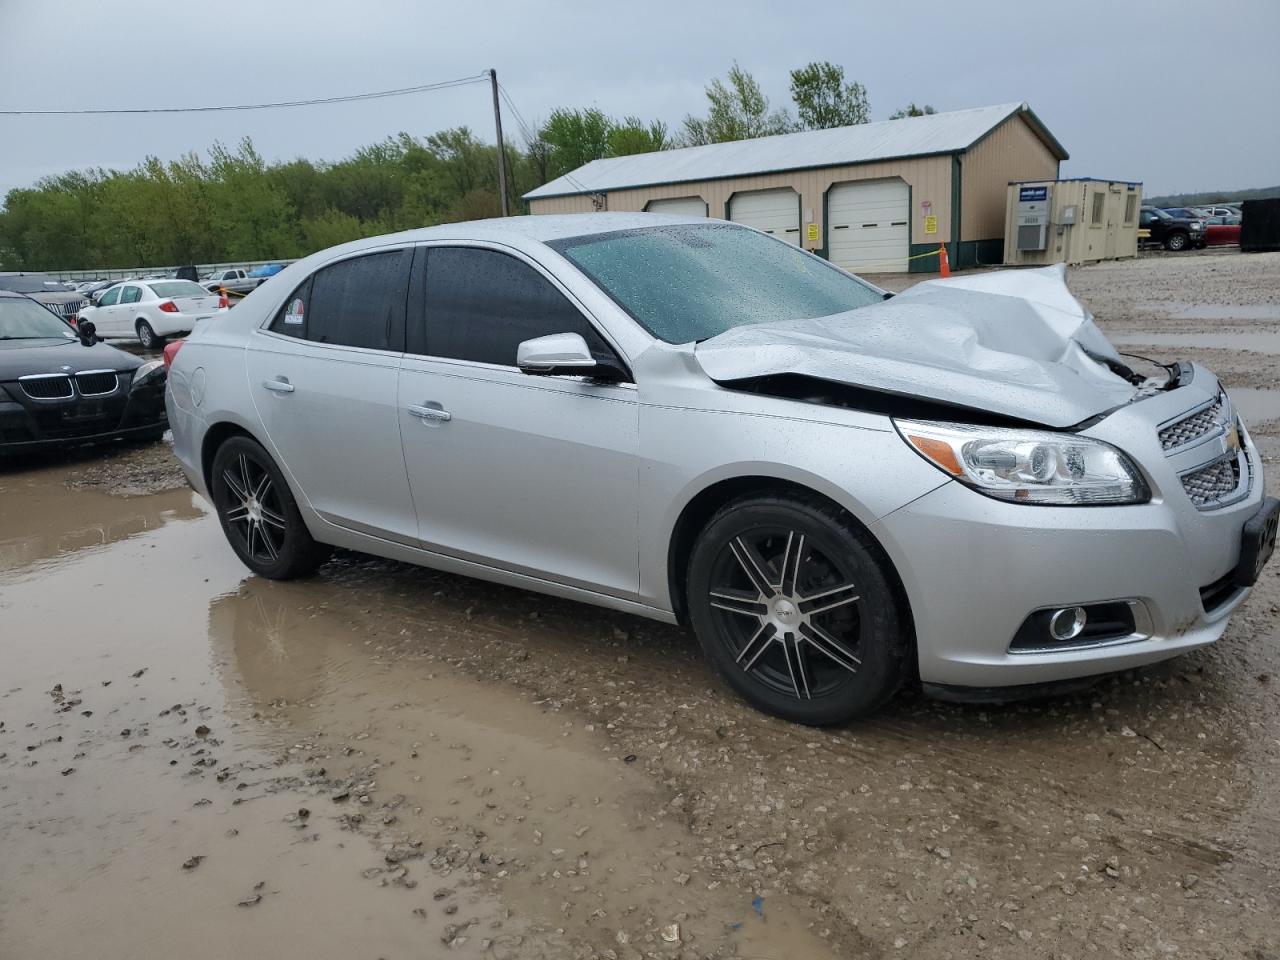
{"points": [[294, 313]]}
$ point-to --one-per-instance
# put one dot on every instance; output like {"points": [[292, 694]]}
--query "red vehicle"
{"points": [[1218, 232]]}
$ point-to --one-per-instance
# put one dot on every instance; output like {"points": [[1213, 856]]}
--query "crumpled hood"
{"points": [[1011, 342]]}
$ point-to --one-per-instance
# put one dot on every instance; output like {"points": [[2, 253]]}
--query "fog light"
{"points": [[1067, 623]]}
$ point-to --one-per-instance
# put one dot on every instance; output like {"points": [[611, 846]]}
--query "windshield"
{"points": [[694, 281], [178, 288], [23, 319]]}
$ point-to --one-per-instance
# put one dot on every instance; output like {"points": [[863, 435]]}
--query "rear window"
{"points": [[171, 289]]}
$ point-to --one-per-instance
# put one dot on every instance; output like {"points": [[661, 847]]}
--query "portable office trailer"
{"points": [[1071, 221]]}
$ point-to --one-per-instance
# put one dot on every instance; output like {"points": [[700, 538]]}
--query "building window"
{"points": [[1130, 207], [1099, 202]]}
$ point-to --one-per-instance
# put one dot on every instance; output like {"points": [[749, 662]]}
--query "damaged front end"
{"points": [[1004, 348]]}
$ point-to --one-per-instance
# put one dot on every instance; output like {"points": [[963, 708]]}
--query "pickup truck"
{"points": [[235, 281], [1173, 233]]}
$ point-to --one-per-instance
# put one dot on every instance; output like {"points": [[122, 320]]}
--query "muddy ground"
{"points": [[384, 761]]}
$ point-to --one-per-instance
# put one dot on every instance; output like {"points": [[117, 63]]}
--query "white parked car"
{"points": [[151, 310]]}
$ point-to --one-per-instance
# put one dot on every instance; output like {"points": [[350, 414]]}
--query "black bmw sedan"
{"points": [[61, 387]]}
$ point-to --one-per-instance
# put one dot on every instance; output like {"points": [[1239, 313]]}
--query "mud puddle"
{"points": [[194, 762]]}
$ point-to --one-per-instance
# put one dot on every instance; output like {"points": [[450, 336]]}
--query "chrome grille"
{"points": [[55, 386], [96, 383], [1214, 482], [1194, 427], [71, 308]]}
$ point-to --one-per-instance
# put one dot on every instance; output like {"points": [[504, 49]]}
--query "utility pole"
{"points": [[502, 151]]}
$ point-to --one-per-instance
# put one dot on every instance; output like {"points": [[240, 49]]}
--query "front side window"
{"points": [[693, 281], [110, 298], [481, 304]]}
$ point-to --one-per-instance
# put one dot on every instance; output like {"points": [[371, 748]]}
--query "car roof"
{"points": [[543, 228]]}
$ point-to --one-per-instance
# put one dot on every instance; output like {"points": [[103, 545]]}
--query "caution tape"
{"points": [[871, 268]]}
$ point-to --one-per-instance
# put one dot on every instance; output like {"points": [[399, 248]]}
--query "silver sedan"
{"points": [[839, 490]]}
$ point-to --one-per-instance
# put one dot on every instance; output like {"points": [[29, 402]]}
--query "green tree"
{"points": [[823, 99], [575, 137], [632, 135], [911, 110], [739, 110]]}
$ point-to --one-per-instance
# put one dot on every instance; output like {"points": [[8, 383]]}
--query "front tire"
{"points": [[1175, 242], [259, 515], [792, 602], [149, 339]]}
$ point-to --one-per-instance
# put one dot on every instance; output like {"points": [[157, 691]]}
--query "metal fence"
{"points": [[124, 273]]}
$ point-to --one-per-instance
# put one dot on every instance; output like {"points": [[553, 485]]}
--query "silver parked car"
{"points": [[692, 421]]}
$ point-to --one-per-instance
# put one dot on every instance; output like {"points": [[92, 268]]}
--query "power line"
{"points": [[373, 95], [530, 137]]}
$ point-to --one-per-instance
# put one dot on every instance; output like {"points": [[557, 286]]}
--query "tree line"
{"points": [[232, 205]]}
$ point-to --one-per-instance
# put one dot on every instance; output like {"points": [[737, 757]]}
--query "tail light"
{"points": [[170, 351], [168, 307]]}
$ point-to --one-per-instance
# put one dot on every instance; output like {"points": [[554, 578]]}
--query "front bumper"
{"points": [[974, 568], [28, 424]]}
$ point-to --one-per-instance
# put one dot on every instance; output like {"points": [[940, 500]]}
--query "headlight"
{"points": [[146, 370], [1028, 466]]}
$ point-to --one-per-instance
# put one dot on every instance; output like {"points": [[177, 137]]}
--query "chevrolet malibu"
{"points": [[692, 421]]}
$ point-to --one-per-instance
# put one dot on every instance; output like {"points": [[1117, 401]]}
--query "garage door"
{"points": [[867, 226], [776, 212], [679, 206]]}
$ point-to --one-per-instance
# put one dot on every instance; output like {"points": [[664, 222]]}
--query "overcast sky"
{"points": [[1177, 93]]}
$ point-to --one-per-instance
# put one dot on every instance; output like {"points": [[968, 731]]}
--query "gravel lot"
{"points": [[384, 761]]}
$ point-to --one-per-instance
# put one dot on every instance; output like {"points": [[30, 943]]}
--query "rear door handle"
{"points": [[278, 385], [430, 413]]}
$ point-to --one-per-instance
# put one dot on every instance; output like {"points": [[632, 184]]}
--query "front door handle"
{"points": [[278, 385], [430, 412]]}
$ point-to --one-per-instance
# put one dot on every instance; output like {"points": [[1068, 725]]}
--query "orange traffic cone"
{"points": [[224, 302], [944, 265]]}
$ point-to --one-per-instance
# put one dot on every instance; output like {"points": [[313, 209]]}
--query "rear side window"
{"points": [[356, 303], [131, 295], [480, 305], [291, 319]]}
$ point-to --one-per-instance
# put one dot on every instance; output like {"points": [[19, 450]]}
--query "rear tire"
{"points": [[259, 515], [149, 339], [792, 602]]}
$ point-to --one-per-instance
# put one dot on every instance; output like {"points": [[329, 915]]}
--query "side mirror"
{"points": [[88, 332], [557, 354]]}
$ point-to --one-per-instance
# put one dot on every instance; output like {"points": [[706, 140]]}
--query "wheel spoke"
{"points": [[263, 488], [265, 537], [796, 668], [269, 516], [791, 557], [754, 647], [250, 535], [830, 647], [833, 598], [237, 514], [737, 601], [246, 483], [232, 481], [749, 560]]}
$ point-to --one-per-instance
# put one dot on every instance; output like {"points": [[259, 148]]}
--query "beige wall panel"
{"points": [[1010, 152]]}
